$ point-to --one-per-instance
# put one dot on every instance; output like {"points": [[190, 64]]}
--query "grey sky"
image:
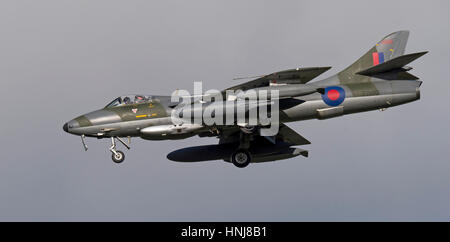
{"points": [[59, 59]]}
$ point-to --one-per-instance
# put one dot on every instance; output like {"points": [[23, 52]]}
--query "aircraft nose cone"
{"points": [[65, 127]]}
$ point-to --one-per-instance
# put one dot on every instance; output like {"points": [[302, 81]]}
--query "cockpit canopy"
{"points": [[129, 99]]}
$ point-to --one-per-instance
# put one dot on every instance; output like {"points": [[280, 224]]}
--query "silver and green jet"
{"points": [[378, 80]]}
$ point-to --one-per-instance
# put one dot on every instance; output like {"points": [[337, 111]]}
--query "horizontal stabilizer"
{"points": [[395, 63]]}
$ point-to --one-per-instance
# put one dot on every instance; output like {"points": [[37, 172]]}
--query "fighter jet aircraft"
{"points": [[377, 80]]}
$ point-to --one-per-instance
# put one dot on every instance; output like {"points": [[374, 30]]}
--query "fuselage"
{"points": [[151, 118], [249, 118]]}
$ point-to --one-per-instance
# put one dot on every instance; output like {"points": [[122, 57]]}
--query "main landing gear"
{"points": [[241, 157], [117, 155]]}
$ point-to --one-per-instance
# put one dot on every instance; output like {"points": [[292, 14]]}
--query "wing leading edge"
{"points": [[292, 76]]}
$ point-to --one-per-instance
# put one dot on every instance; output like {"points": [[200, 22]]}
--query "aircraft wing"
{"points": [[289, 136], [285, 135], [292, 76]]}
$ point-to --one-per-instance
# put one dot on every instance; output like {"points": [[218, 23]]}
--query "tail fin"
{"points": [[388, 48]]}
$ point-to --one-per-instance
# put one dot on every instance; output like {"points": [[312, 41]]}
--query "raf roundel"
{"points": [[333, 96]]}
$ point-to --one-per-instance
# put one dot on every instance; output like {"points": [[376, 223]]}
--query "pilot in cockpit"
{"points": [[127, 100]]}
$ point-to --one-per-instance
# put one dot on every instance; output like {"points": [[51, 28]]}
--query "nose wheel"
{"points": [[117, 155]]}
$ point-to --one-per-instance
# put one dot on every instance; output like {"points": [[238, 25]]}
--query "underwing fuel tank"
{"points": [[170, 131], [224, 151], [284, 91]]}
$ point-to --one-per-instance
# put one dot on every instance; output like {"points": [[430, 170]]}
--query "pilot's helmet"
{"points": [[127, 100]]}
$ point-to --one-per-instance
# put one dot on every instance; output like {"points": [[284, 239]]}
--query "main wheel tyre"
{"points": [[241, 158], [118, 157]]}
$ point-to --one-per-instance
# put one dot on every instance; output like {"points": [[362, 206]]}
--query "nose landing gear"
{"points": [[117, 155]]}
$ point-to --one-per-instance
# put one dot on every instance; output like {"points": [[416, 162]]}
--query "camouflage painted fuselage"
{"points": [[350, 91], [122, 121], [365, 95]]}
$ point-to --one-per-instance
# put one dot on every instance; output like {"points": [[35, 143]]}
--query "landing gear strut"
{"points": [[117, 155]]}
